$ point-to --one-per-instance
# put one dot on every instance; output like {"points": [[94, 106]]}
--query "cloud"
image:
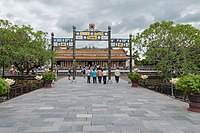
{"points": [[124, 16]]}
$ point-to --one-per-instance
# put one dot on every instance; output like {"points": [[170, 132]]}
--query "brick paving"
{"points": [[96, 108]]}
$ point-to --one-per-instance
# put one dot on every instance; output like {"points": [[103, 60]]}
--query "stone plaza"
{"points": [[96, 108]]}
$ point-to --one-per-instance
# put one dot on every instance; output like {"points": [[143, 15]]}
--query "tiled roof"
{"points": [[91, 54]]}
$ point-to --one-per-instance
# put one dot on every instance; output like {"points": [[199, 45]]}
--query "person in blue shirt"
{"points": [[94, 75]]}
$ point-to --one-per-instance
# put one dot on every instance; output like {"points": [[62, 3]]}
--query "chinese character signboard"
{"points": [[63, 42], [92, 35], [120, 43]]}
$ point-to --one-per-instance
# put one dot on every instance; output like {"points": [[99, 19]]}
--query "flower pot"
{"points": [[194, 98], [134, 83], [194, 103], [48, 84]]}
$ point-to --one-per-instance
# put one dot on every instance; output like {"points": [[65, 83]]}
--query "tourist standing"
{"points": [[69, 74], [94, 75], [84, 72], [88, 73], [117, 74], [104, 73], [99, 74]]}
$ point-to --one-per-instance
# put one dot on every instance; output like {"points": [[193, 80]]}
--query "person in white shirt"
{"points": [[88, 73], [117, 74], [104, 73]]}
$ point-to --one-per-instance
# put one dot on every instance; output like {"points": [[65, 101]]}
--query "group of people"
{"points": [[96, 74], [99, 74]]}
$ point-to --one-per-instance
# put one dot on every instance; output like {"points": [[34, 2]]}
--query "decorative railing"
{"points": [[157, 84], [24, 84]]}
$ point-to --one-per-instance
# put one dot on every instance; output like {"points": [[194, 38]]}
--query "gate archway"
{"points": [[94, 35]]}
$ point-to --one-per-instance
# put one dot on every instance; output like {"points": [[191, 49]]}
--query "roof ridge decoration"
{"points": [[91, 27]]}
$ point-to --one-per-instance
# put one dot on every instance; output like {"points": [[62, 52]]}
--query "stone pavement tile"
{"points": [[102, 115], [84, 116], [54, 115], [77, 128], [120, 115], [85, 123], [170, 130], [7, 130], [7, 123], [33, 129], [112, 108], [53, 119], [94, 128], [106, 132], [131, 131], [40, 124], [99, 105], [46, 108], [59, 124], [99, 110], [152, 131], [196, 122], [190, 131], [50, 129], [119, 128]]}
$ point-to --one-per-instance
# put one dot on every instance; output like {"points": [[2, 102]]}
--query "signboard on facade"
{"points": [[92, 35], [63, 42], [120, 43]]}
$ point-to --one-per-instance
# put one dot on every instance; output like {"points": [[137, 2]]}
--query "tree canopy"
{"points": [[22, 46], [171, 47]]}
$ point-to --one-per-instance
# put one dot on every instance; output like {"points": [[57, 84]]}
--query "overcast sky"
{"points": [[124, 16]]}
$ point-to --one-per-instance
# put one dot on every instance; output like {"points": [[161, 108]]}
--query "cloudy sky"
{"points": [[124, 16]]}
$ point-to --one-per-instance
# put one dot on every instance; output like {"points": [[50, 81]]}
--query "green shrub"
{"points": [[134, 76], [49, 76], [4, 86], [189, 84]]}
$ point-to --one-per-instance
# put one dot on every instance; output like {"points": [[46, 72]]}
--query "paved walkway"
{"points": [[96, 108]]}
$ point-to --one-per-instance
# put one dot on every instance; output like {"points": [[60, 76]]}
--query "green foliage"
{"points": [[49, 76], [134, 76], [169, 46], [4, 86], [189, 84], [21, 46]]}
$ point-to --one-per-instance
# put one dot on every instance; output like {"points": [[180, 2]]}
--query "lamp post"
{"points": [[130, 41], [3, 69], [172, 88], [52, 43]]}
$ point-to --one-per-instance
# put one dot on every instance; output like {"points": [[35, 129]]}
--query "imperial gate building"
{"points": [[91, 57]]}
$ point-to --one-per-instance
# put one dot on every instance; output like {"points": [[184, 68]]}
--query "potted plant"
{"points": [[48, 77], [134, 77], [4, 86], [191, 85]]}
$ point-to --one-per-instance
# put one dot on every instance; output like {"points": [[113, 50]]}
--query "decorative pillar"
{"points": [[109, 54], [74, 53]]}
